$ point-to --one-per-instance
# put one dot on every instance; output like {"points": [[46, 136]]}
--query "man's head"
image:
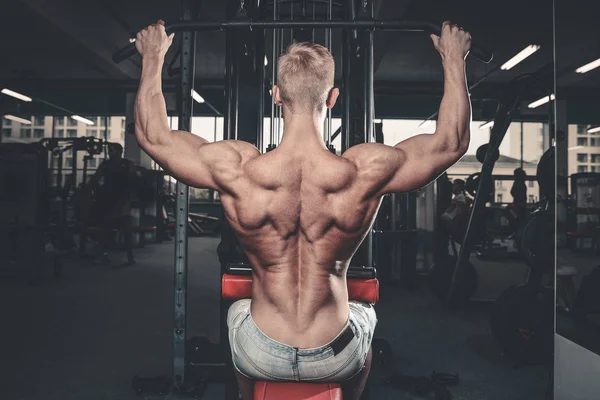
{"points": [[520, 173], [305, 79], [115, 151], [458, 186]]}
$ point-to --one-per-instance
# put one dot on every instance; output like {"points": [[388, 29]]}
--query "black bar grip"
{"points": [[481, 54], [124, 53]]}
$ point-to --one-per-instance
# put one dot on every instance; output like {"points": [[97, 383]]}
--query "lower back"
{"points": [[303, 309]]}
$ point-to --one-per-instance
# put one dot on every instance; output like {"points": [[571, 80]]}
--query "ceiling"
{"points": [[60, 51]]}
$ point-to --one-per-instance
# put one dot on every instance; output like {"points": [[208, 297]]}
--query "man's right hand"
{"points": [[454, 42], [153, 41]]}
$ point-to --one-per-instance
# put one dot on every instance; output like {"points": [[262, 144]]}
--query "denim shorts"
{"points": [[259, 357]]}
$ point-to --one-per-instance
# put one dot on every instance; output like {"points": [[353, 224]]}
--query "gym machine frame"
{"points": [[188, 27], [504, 115]]}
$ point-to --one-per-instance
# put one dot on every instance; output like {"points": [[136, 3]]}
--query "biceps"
{"points": [[180, 157], [421, 164]]}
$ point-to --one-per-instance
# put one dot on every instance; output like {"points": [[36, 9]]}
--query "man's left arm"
{"points": [[187, 157]]}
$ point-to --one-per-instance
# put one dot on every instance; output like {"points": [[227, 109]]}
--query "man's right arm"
{"points": [[417, 161]]}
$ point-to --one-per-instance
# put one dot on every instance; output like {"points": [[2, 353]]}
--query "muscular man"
{"points": [[300, 212]]}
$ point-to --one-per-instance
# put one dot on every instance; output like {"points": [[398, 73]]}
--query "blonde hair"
{"points": [[305, 77]]}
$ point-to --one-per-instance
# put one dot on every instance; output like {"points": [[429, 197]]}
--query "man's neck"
{"points": [[303, 130]]}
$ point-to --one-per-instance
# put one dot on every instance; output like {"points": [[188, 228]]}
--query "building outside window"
{"points": [[60, 133], [59, 121], [92, 163], [38, 133], [531, 183], [6, 122], [25, 132], [594, 142], [582, 168], [582, 158], [6, 132], [499, 198], [68, 162], [71, 132], [72, 122], [594, 168], [595, 158], [499, 184], [582, 142], [92, 132], [39, 120], [582, 129], [531, 198]]}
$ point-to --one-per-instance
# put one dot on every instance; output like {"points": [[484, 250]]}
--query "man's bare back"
{"points": [[300, 218]]}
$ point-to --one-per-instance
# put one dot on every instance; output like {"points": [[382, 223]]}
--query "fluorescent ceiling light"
{"points": [[425, 123], [594, 130], [576, 148], [197, 97], [526, 52], [81, 119], [488, 124], [378, 121], [19, 96], [18, 119], [266, 61], [541, 101], [588, 67]]}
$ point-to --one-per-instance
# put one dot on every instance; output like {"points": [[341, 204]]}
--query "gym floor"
{"points": [[87, 334]]}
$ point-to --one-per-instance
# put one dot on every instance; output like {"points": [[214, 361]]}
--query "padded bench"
{"points": [[362, 286]]}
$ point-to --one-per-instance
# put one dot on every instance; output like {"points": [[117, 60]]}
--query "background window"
{"points": [[59, 120], [531, 183], [92, 163], [596, 158], [38, 133], [39, 120], [499, 198], [72, 122], [6, 132], [594, 168], [582, 157], [60, 133], [92, 132], [581, 129], [25, 132], [582, 168], [594, 142], [68, 162], [6, 122], [71, 132], [499, 184], [531, 198], [582, 142]]}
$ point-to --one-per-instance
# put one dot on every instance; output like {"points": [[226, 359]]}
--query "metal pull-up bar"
{"points": [[407, 26]]}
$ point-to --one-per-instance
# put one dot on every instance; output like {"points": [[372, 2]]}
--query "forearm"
{"points": [[455, 109], [151, 124]]}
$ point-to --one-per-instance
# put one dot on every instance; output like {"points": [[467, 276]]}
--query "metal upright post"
{"points": [[188, 55], [274, 62], [261, 93], [369, 108], [346, 62]]}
